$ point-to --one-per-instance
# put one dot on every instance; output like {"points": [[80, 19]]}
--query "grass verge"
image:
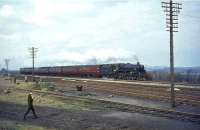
{"points": [[69, 103], [43, 86]]}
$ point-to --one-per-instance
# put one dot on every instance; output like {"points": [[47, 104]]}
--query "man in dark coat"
{"points": [[30, 106]]}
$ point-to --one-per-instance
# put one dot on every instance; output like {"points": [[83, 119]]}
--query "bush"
{"points": [[44, 86]]}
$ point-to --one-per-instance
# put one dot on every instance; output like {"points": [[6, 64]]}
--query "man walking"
{"points": [[30, 106]]}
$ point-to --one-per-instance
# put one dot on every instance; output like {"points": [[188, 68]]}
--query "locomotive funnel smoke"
{"points": [[136, 58], [92, 61], [93, 57], [109, 60]]}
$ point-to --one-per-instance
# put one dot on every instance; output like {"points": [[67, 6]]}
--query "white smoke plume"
{"points": [[92, 57]]}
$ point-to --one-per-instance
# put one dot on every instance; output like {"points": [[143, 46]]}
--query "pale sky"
{"points": [[69, 32]]}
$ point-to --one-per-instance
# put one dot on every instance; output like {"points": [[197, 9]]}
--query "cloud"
{"points": [[94, 31], [46, 12], [92, 56], [7, 10]]}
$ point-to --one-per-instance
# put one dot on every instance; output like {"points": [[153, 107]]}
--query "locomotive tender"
{"points": [[117, 71]]}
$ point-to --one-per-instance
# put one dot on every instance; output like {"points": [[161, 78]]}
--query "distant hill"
{"points": [[4, 71], [177, 69]]}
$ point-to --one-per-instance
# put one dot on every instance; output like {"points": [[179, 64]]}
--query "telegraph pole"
{"points": [[33, 51], [7, 65], [172, 10]]}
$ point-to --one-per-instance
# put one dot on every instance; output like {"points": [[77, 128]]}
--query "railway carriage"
{"points": [[42, 71], [117, 71], [54, 71], [89, 71], [69, 71], [26, 71]]}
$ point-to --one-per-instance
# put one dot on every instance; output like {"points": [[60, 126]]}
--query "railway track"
{"points": [[134, 82], [155, 92], [178, 115], [185, 96]]}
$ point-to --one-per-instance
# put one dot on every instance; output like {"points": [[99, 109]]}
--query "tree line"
{"points": [[180, 77]]}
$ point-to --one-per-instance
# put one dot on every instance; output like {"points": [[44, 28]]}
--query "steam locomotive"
{"points": [[124, 71]]}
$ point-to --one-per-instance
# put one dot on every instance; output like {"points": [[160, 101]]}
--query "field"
{"points": [[60, 106]]}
